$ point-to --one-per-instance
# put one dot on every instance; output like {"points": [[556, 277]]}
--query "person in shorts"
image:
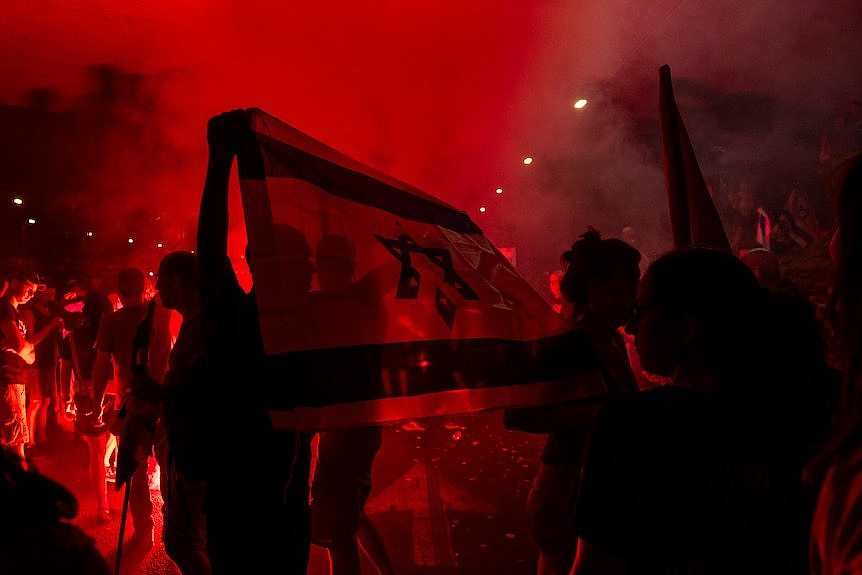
{"points": [[15, 353]]}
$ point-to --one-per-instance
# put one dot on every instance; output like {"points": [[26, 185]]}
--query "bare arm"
{"points": [[46, 330], [223, 134]]}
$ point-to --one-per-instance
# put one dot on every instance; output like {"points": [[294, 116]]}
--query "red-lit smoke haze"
{"points": [[447, 95]]}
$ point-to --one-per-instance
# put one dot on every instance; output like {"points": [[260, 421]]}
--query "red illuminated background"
{"points": [[105, 105]]}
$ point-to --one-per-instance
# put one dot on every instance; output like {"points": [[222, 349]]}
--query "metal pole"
{"points": [[123, 516]]}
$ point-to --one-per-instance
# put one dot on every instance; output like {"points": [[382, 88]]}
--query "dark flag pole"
{"points": [[138, 428], [694, 219], [123, 516]]}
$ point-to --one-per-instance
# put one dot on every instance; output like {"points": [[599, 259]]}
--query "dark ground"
{"points": [[449, 497]]}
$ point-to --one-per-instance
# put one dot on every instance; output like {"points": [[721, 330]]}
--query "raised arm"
{"points": [[223, 137]]}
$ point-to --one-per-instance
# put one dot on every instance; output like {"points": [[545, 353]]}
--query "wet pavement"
{"points": [[449, 498]]}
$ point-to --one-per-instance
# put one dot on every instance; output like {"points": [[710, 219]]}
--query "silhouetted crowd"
{"points": [[740, 452]]}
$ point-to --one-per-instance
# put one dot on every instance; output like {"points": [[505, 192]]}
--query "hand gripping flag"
{"points": [[411, 311], [694, 219]]}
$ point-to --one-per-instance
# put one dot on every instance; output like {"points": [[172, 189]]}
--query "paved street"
{"points": [[448, 498]]}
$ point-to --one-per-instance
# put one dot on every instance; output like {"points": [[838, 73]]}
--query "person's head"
{"points": [[291, 250], [335, 258], [696, 307], [177, 281], [23, 285], [131, 283], [601, 276]]}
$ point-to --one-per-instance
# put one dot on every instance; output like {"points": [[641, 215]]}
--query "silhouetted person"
{"points": [[184, 531], [836, 543], [78, 353], [701, 475], [114, 345], [44, 328], [600, 282], [751, 226], [342, 480], [257, 498]]}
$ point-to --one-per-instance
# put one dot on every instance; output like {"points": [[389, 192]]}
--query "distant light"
{"points": [[151, 274], [499, 190], [581, 104], [528, 160], [160, 245], [482, 209], [18, 201], [193, 251], [89, 234], [131, 240], [31, 221]]}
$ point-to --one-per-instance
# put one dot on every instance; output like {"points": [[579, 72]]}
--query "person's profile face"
{"points": [[167, 285], [23, 290]]}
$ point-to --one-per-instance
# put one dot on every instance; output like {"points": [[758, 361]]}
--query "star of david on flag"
{"points": [[412, 312]]}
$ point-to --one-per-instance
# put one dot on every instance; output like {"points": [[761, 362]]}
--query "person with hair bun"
{"points": [[600, 281]]}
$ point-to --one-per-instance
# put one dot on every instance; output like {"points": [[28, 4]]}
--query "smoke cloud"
{"points": [[449, 96]]}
